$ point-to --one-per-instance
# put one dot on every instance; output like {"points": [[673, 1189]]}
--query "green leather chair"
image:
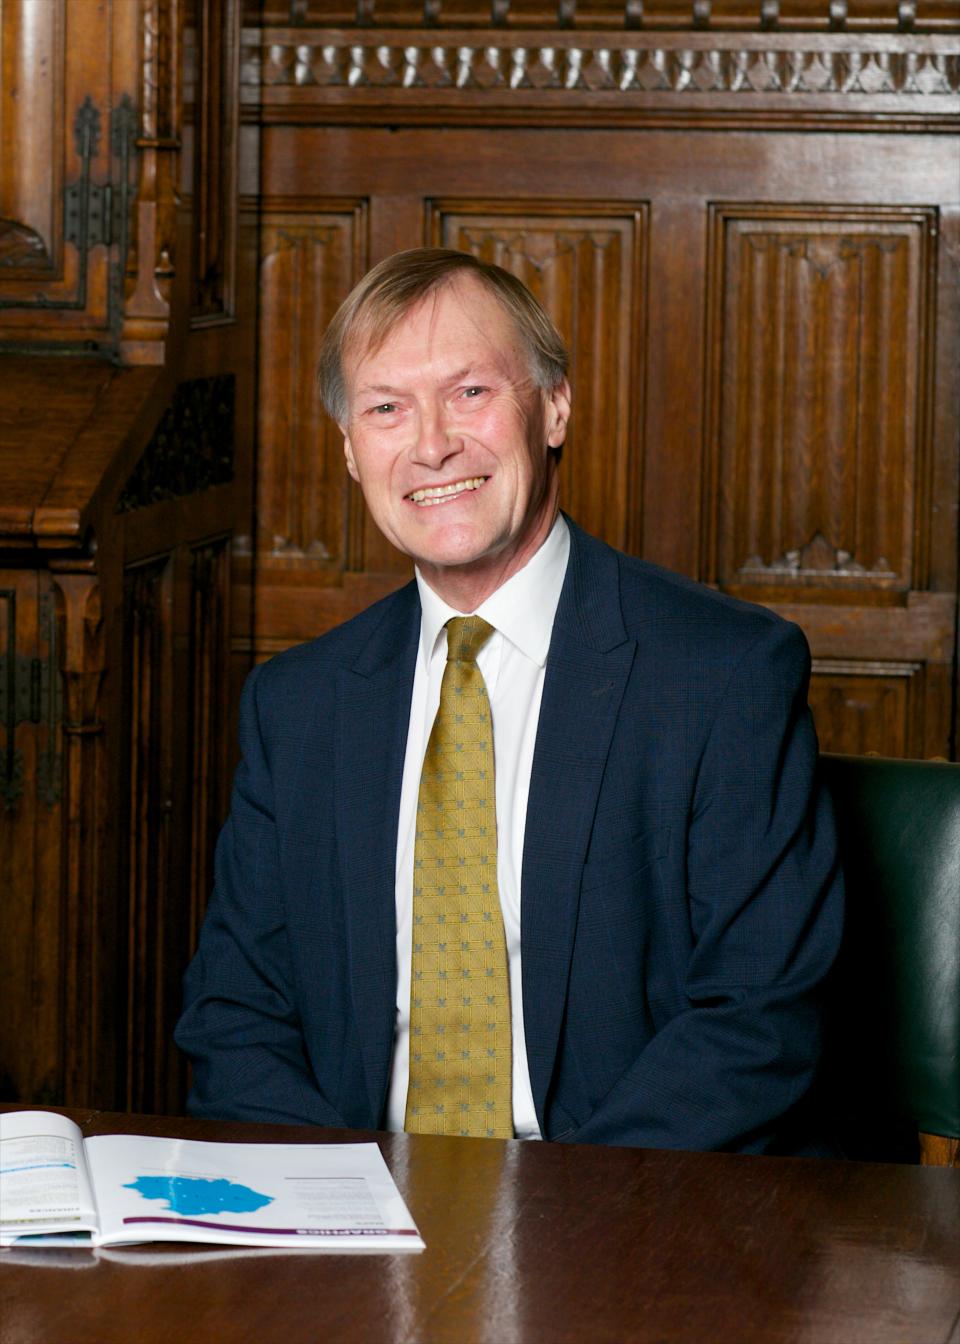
{"points": [[892, 1067]]}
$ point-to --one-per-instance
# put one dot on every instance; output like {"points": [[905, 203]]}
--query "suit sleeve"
{"points": [[240, 1027], [764, 897]]}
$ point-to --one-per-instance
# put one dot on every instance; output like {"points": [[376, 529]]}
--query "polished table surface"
{"points": [[539, 1242]]}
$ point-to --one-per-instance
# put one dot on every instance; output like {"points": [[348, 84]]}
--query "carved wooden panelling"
{"points": [[192, 447], [862, 707], [818, 416], [310, 260], [68, 129], [585, 263], [149, 817], [211, 41], [209, 729], [31, 133], [176, 612], [31, 912]]}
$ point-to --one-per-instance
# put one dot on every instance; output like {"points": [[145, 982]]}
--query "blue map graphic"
{"points": [[191, 1195]]}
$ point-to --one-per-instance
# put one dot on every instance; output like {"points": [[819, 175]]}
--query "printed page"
{"points": [[333, 1197], [44, 1183]]}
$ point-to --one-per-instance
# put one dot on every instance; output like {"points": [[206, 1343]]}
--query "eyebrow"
{"points": [[468, 373]]}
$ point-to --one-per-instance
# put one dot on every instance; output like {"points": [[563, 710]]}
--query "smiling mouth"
{"points": [[440, 494]]}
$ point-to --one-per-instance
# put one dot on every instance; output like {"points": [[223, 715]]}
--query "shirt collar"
{"points": [[522, 609]]}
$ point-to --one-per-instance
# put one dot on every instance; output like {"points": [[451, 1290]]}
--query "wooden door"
{"points": [[31, 751]]}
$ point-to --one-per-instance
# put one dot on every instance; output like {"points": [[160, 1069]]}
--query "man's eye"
{"points": [[385, 408], [473, 391]]}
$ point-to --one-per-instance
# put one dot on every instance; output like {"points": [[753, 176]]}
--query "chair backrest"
{"points": [[893, 1033]]}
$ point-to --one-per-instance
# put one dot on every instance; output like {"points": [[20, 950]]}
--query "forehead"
{"points": [[461, 319]]}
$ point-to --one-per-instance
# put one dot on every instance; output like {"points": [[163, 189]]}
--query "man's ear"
{"points": [[557, 414], [351, 460]]}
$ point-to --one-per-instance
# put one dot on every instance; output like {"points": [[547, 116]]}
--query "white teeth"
{"points": [[433, 494]]}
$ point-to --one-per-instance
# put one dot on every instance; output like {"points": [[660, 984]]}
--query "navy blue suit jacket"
{"points": [[680, 897]]}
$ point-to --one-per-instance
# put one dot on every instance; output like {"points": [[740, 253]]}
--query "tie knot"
{"points": [[466, 636]]}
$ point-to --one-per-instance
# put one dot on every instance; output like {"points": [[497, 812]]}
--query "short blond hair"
{"points": [[388, 292]]}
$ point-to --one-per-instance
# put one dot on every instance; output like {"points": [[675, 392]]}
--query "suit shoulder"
{"points": [[338, 647], [609, 595], [649, 591]]}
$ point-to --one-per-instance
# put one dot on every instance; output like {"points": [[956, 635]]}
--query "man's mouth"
{"points": [[439, 494]]}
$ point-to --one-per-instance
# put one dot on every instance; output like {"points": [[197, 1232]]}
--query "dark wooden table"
{"points": [[539, 1242]]}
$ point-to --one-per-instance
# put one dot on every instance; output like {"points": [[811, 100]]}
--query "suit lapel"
{"points": [[373, 711], [587, 668]]}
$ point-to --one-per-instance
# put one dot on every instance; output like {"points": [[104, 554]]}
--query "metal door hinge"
{"points": [[30, 692], [96, 214]]}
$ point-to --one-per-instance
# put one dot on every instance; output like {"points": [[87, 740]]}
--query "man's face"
{"points": [[449, 439]]}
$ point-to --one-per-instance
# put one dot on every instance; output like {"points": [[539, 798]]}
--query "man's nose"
{"points": [[436, 438]]}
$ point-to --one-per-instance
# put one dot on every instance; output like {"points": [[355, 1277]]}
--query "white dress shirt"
{"points": [[512, 662]]}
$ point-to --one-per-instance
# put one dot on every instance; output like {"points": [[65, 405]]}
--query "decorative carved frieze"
{"points": [[323, 59], [192, 447], [817, 558]]}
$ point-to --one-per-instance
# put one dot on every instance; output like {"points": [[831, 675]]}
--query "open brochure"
{"points": [[57, 1188]]}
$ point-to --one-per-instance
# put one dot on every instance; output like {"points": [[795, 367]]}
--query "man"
{"points": [[633, 953]]}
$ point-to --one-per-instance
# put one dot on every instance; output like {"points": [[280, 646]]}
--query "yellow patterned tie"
{"points": [[460, 1063]]}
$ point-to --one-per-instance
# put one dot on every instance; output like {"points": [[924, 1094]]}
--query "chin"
{"points": [[451, 559], [457, 547]]}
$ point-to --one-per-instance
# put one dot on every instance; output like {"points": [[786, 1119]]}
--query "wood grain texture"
{"points": [[89, 943], [310, 259], [117, 763], [820, 404], [173, 784], [31, 222], [151, 265], [150, 820], [213, 109], [546, 1244], [66, 70], [868, 707], [819, 417], [61, 456], [937, 1151], [209, 733], [31, 911]]}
